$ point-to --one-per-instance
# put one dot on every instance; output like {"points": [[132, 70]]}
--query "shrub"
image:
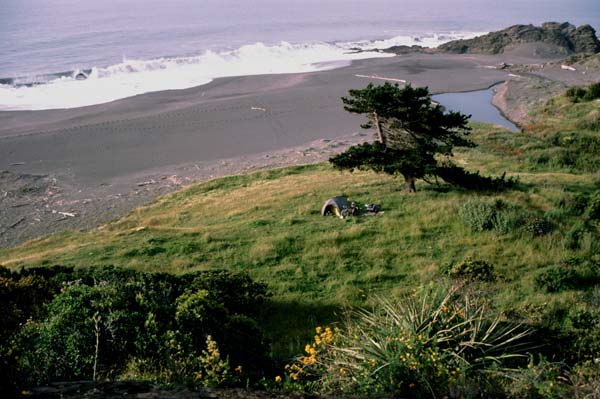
{"points": [[536, 226], [576, 94], [584, 379], [108, 321], [593, 92], [433, 343], [473, 269], [490, 215], [540, 380], [478, 215], [556, 279], [593, 209], [574, 236], [574, 205]]}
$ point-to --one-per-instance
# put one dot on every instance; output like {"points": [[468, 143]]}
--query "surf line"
{"points": [[381, 78]]}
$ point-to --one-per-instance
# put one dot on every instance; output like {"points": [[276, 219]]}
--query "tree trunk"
{"points": [[409, 184], [378, 127]]}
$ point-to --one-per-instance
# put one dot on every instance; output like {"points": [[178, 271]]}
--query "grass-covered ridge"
{"points": [[538, 243]]}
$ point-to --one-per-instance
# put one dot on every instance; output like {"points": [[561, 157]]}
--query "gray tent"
{"points": [[334, 206]]}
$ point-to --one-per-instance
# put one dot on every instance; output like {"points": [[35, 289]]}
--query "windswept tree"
{"points": [[411, 130]]}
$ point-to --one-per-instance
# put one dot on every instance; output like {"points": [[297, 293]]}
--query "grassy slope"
{"points": [[268, 224]]}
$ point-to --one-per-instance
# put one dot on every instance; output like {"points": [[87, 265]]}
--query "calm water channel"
{"points": [[476, 103]]}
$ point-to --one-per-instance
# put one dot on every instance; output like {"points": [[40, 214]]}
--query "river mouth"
{"points": [[478, 104]]}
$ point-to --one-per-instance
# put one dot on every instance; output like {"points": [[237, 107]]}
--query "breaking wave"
{"points": [[99, 85]]}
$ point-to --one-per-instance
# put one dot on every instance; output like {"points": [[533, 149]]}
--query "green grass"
{"points": [[269, 225]]}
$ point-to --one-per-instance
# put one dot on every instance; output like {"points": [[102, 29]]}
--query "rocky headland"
{"points": [[552, 39]]}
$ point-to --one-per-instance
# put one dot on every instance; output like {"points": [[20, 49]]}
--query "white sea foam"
{"points": [[428, 40], [133, 77]]}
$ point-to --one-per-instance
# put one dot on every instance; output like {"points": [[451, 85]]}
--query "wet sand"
{"points": [[80, 167]]}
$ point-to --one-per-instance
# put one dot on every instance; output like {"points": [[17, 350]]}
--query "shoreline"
{"points": [[90, 161]]}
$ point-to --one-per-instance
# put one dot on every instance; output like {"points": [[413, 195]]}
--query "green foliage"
{"points": [[381, 159], [536, 226], [574, 205], [584, 380], [593, 209], [556, 278], [23, 297], [576, 94], [540, 380], [411, 130], [459, 177], [473, 269], [495, 215], [590, 93], [108, 322], [433, 343], [571, 273]]}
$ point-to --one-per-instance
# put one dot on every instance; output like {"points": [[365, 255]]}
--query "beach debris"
{"points": [[17, 164], [173, 179], [18, 222], [381, 78], [258, 109], [65, 214], [567, 67], [146, 183]]}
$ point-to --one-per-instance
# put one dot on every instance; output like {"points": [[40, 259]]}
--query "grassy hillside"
{"points": [[269, 225], [530, 254]]}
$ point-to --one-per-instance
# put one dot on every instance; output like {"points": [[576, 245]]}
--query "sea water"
{"points": [[70, 53]]}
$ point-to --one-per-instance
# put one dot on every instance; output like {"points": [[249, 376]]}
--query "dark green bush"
{"points": [[556, 279], [593, 209], [104, 320], [536, 226], [592, 92], [472, 269], [576, 94]]}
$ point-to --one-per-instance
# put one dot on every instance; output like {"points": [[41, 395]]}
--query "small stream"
{"points": [[478, 104]]}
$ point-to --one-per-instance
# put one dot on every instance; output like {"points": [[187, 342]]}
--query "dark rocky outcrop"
{"points": [[403, 49], [564, 38]]}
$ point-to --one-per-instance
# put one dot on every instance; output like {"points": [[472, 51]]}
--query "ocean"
{"points": [[70, 53]]}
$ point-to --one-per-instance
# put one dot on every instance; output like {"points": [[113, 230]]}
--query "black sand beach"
{"points": [[78, 168]]}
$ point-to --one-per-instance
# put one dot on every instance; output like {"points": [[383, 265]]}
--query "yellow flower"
{"points": [[278, 378], [318, 330], [239, 368]]}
